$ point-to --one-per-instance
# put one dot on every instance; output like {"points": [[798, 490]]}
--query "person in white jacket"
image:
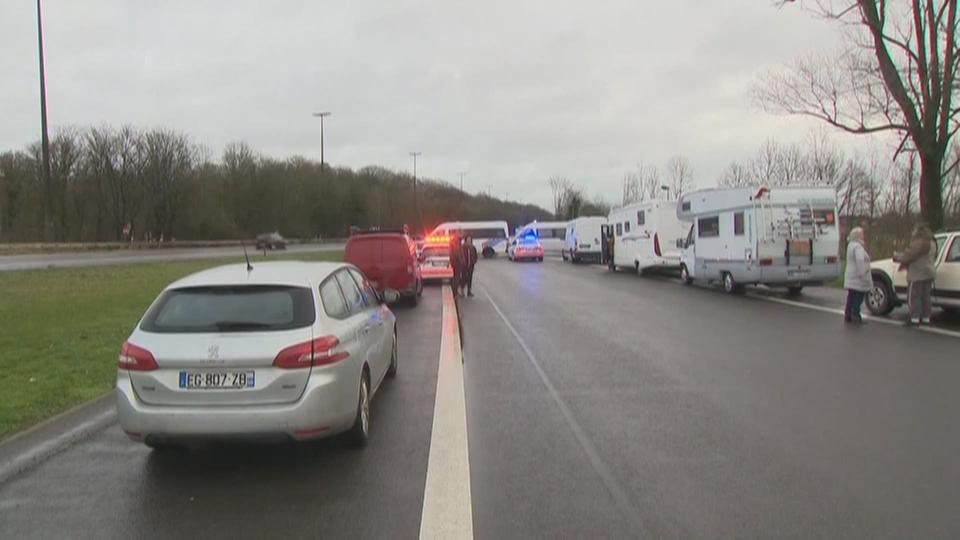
{"points": [[856, 279]]}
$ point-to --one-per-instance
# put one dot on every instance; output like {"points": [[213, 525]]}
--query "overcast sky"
{"points": [[512, 91]]}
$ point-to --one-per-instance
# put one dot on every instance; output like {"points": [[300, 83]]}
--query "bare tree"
{"points": [[560, 187], [679, 176], [650, 184], [899, 74], [736, 175]]}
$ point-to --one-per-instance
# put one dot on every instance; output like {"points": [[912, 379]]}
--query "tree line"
{"points": [[110, 184]]}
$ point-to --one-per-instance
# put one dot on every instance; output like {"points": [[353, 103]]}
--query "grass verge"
{"points": [[61, 330]]}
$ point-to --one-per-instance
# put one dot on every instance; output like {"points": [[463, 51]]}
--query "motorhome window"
{"points": [[708, 227], [690, 237], [641, 217], [685, 206], [738, 224], [626, 226], [619, 229]]}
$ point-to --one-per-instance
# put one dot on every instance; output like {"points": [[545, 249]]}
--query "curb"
{"points": [[54, 435]]}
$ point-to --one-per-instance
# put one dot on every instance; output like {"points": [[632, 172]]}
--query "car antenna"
{"points": [[245, 256]]}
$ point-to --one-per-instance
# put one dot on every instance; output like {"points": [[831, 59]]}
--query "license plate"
{"points": [[217, 380], [798, 272], [439, 263]]}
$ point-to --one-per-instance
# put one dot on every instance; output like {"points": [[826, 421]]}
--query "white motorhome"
{"points": [[583, 239], [646, 236], [784, 236], [490, 237], [551, 234]]}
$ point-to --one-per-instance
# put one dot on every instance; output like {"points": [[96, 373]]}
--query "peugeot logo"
{"points": [[213, 353]]}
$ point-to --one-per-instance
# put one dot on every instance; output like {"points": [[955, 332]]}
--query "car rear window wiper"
{"points": [[241, 325]]}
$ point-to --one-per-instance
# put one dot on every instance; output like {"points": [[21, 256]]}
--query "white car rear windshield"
{"points": [[247, 308]]}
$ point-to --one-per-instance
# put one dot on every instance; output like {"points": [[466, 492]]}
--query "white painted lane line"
{"points": [[447, 506], [882, 320], [593, 456]]}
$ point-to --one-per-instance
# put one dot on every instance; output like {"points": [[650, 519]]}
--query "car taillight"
{"points": [[135, 358], [766, 262], [319, 352], [656, 244]]}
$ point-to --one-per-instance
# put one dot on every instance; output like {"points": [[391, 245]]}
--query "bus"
{"points": [[489, 237]]}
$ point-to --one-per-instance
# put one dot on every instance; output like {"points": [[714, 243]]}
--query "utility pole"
{"points": [[416, 202], [44, 137], [321, 116], [461, 182]]}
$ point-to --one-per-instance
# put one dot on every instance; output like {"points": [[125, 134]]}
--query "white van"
{"points": [[550, 233], [489, 237], [583, 239], [785, 237], [646, 236]]}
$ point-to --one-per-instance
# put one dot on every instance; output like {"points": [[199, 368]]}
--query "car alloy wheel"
{"points": [[729, 286], [880, 298]]}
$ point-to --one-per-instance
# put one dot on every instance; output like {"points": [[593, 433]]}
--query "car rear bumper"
{"points": [[327, 407], [427, 273]]}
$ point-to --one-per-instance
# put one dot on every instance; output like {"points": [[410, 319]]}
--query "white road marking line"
{"points": [[593, 456], [447, 506], [882, 320]]}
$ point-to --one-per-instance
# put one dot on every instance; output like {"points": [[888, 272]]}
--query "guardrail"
{"points": [[62, 247]]}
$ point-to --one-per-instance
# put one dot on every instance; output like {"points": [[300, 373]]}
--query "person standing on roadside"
{"points": [[456, 262], [918, 260], [856, 278], [469, 262]]}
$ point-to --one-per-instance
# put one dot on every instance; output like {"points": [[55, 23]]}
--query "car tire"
{"points": [[794, 291], [880, 299], [563, 255], [487, 253], [359, 434], [394, 357], [685, 275], [728, 284]]}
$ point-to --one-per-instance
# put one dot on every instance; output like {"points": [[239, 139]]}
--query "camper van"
{"points": [[783, 236], [582, 240], [550, 233], [646, 236]]}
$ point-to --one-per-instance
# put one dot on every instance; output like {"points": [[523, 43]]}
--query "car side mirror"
{"points": [[390, 296], [681, 243]]}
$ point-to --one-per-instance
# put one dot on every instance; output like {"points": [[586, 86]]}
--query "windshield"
{"points": [[230, 309]]}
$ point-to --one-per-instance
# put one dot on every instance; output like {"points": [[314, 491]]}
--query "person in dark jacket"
{"points": [[469, 262], [456, 262]]}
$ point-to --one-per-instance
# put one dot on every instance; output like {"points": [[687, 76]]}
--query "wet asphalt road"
{"points": [[712, 416], [121, 256], [600, 405]]}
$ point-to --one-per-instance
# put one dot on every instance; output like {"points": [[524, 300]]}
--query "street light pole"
{"points": [[461, 182], [44, 138], [321, 116]]}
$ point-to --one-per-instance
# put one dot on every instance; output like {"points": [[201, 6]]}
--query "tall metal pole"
{"points": [[44, 138], [461, 181], [321, 116]]}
